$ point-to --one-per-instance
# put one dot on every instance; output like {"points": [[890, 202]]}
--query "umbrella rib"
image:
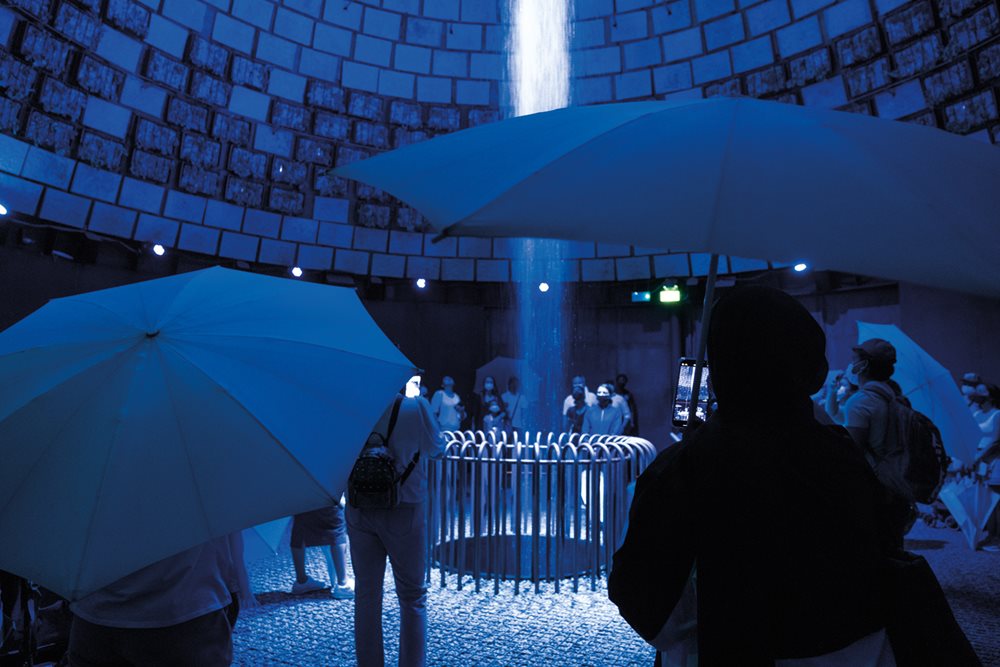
{"points": [[447, 230], [722, 178], [250, 414]]}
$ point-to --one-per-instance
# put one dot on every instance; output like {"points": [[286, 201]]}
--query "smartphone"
{"points": [[682, 394], [413, 387]]}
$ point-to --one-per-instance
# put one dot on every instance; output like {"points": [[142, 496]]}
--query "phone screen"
{"points": [[413, 387], [682, 395]]}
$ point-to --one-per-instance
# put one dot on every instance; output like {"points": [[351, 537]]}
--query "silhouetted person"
{"points": [[621, 389], [778, 513]]}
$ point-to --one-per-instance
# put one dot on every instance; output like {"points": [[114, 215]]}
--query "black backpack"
{"points": [[915, 464], [373, 483]]}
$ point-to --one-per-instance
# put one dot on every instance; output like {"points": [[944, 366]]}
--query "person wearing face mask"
{"points": [[489, 395], [837, 395], [986, 397], [579, 382], [867, 419], [516, 404], [605, 418], [968, 387], [494, 419], [573, 417]]}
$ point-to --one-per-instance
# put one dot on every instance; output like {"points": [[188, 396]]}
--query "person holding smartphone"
{"points": [[446, 405]]}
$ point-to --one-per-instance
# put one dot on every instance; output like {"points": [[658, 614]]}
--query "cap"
{"points": [[876, 349], [972, 379]]}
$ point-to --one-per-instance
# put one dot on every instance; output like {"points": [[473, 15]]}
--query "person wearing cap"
{"points": [[970, 381], [867, 418]]}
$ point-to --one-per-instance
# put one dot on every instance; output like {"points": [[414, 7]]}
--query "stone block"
{"points": [[464, 37], [99, 79], [846, 16], [478, 92], [633, 268], [166, 70], [977, 28], [886, 6], [919, 56], [119, 49], [903, 100], [200, 151], [289, 115], [319, 66], [424, 32], [46, 167], [64, 208], [351, 261], [730, 88], [331, 126], [113, 220], [232, 33], [12, 154], [767, 16], [140, 195], [446, 247], [326, 96], [107, 117], [78, 25], [206, 88], [588, 34], [753, 54], [333, 40], [956, 8], [141, 96], [450, 63], [190, 13], [231, 129], [59, 99], [16, 79], [154, 229], [338, 236], [10, 115], [397, 84], [258, 12], [672, 78], [184, 206], [490, 270], [709, 9], [447, 119], [331, 209], [381, 24], [288, 171], [49, 132], [475, 247], [360, 77], [904, 25], [480, 11], [370, 134], [682, 45], [239, 246], [247, 164], [427, 268], [249, 103], [813, 66], [642, 54], [207, 56], [402, 137], [315, 257], [442, 9], [671, 17], [276, 50], [286, 201], [262, 223], [949, 82], [366, 238], [294, 26], [671, 266], [369, 107], [372, 215], [633, 85], [41, 49], [628, 27], [586, 9], [347, 155], [828, 94], [302, 230], [711, 67], [167, 36], [287, 85], [988, 62], [723, 32], [196, 238], [483, 116], [799, 36], [859, 47], [406, 243], [491, 65], [770, 81], [20, 196], [130, 17], [346, 14], [37, 8], [245, 72], [415, 59], [276, 142], [313, 152], [186, 115], [388, 266], [460, 270], [866, 78], [244, 193], [150, 167], [590, 62]]}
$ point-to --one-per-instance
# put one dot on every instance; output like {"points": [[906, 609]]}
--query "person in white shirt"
{"points": [[446, 406], [516, 404], [589, 398]]}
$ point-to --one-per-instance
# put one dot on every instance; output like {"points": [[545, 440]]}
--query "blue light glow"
{"points": [[158, 250], [297, 272], [421, 283], [543, 287], [800, 267]]}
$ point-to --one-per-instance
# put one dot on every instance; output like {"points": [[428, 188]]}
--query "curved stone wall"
{"points": [[210, 125]]}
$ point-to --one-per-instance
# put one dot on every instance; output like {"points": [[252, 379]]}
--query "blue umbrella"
{"points": [[139, 421], [931, 390]]}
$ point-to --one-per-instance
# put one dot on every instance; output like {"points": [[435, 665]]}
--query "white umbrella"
{"points": [[139, 421]]}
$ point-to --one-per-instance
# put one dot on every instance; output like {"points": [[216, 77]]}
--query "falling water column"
{"points": [[538, 65]]}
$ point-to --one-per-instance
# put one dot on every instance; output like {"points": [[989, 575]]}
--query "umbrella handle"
{"points": [[706, 316]]}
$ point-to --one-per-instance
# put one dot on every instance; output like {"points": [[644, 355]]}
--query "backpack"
{"points": [[916, 463], [373, 483]]}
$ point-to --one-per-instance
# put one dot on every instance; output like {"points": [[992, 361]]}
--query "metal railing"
{"points": [[530, 507]]}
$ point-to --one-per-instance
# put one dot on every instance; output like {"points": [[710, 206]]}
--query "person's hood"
{"points": [[766, 353]]}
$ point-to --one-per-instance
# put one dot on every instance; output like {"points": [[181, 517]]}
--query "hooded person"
{"points": [[777, 513]]}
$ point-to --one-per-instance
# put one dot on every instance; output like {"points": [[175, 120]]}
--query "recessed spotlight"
{"points": [[800, 267], [543, 287], [158, 250], [421, 283], [297, 272], [3, 210]]}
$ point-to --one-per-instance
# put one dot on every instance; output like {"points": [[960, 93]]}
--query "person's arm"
{"points": [[585, 427], [431, 440], [436, 404], [618, 424], [650, 570]]}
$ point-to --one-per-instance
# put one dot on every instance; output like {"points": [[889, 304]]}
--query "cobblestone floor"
{"points": [[467, 629]]}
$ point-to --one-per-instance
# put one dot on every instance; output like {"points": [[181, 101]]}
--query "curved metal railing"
{"points": [[530, 506]]}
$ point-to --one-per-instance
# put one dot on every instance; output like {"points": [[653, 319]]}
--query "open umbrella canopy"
{"points": [[971, 501], [139, 421], [733, 176], [931, 390]]}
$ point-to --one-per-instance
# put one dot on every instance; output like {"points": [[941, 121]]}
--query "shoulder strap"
{"points": [[409, 468], [393, 416]]}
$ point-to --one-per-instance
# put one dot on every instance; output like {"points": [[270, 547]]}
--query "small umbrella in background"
{"points": [[139, 421], [504, 368], [265, 540], [931, 390], [971, 502]]}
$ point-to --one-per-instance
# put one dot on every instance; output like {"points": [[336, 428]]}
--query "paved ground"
{"points": [[468, 629]]}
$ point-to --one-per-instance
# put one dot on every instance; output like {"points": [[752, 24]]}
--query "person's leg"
{"points": [[299, 563], [204, 641], [405, 537], [368, 558], [336, 563], [92, 645]]}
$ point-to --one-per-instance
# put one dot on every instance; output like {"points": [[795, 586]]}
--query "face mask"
{"points": [[852, 372], [603, 399], [841, 393], [488, 386], [494, 410]]}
